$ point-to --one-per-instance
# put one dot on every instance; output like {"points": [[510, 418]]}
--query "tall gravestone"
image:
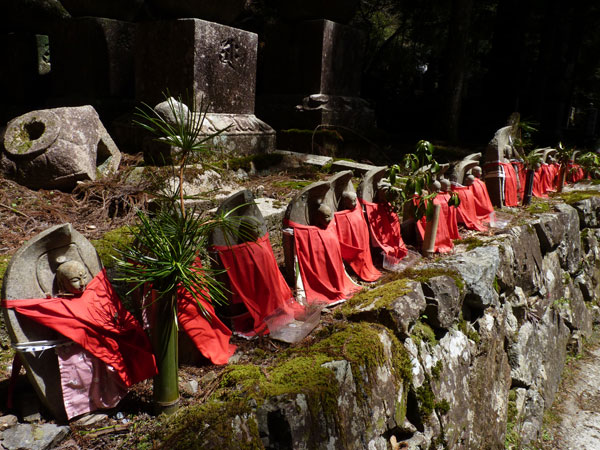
{"points": [[213, 63], [310, 70]]}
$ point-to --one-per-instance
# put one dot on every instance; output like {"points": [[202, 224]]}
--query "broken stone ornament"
{"points": [[56, 148]]}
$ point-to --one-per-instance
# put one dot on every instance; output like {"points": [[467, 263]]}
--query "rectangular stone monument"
{"points": [[215, 65], [310, 75]]}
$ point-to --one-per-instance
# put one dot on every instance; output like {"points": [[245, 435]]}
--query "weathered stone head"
{"points": [[476, 171], [382, 190], [71, 277], [469, 180], [445, 185], [323, 216], [348, 200], [435, 186]]}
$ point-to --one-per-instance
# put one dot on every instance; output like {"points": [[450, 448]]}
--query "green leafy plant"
{"points": [[590, 163], [167, 245], [412, 177]]}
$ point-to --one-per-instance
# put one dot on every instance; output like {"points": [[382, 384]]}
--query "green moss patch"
{"points": [[471, 242], [382, 296], [422, 275], [538, 206], [577, 196], [299, 370], [111, 242]]}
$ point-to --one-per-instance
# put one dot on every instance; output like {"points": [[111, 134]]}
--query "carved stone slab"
{"points": [[209, 61], [31, 274]]}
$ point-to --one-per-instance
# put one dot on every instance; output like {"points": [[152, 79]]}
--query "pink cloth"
{"points": [[87, 383]]}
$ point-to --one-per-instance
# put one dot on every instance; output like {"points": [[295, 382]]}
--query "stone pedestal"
{"points": [[93, 60], [310, 75], [216, 66]]}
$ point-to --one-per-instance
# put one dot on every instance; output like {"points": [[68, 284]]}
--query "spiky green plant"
{"points": [[167, 245]]}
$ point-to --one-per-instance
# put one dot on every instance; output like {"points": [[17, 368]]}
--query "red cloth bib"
{"points": [[210, 336], [353, 234], [443, 241], [483, 204], [510, 185], [98, 321], [207, 332], [466, 211], [450, 212], [385, 228], [538, 189], [321, 266], [255, 279]]}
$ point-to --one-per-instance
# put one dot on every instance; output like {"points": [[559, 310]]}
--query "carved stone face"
{"points": [[435, 186], [469, 179], [323, 216], [72, 277], [476, 171], [348, 200]]}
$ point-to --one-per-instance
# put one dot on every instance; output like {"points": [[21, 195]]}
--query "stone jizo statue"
{"points": [[323, 216], [71, 277], [348, 200], [476, 171], [469, 180], [436, 186], [445, 185]]}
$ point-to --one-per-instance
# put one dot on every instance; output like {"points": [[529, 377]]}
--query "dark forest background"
{"points": [[459, 68], [452, 70]]}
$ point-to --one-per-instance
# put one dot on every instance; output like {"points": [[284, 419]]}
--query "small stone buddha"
{"points": [[71, 277], [469, 180], [445, 185], [476, 171], [323, 216], [348, 200]]}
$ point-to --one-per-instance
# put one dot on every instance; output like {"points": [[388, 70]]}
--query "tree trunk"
{"points": [[456, 66]]}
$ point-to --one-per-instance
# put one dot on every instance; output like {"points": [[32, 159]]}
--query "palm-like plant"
{"points": [[167, 245]]}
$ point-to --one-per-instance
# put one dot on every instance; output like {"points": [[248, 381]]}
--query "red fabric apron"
{"points": [[210, 336], [510, 185], [443, 241], [522, 176], [353, 234], [385, 228], [255, 279], [205, 329], [574, 173], [321, 266], [466, 211], [483, 204], [450, 212], [538, 184], [98, 321]]}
